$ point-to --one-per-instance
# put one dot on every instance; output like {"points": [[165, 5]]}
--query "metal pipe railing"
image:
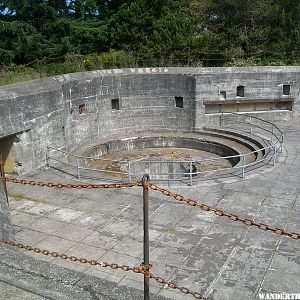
{"points": [[276, 138]]}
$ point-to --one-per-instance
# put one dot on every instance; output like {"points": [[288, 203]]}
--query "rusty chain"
{"points": [[221, 213], [141, 269], [70, 185]]}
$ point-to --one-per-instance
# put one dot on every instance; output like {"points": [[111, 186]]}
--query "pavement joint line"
{"points": [[210, 288], [116, 216], [275, 251], [203, 237]]}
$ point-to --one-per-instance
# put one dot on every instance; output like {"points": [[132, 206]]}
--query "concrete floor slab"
{"points": [[197, 249]]}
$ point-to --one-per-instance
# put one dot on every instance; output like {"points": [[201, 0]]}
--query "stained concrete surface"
{"points": [[212, 255], [36, 114], [6, 227]]}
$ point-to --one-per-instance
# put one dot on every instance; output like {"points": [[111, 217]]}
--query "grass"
{"points": [[13, 76], [20, 197], [71, 63]]}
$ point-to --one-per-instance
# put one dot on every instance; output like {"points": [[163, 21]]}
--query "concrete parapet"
{"points": [[72, 109]]}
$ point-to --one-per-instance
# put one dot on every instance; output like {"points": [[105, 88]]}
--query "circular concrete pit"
{"points": [[166, 155]]}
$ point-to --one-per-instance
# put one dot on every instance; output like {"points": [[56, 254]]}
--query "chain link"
{"points": [[182, 289], [221, 213], [71, 185], [141, 269]]}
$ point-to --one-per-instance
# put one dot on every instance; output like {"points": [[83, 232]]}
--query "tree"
{"points": [[214, 32]]}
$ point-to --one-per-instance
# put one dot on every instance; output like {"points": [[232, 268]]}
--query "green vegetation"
{"points": [[46, 37], [21, 197]]}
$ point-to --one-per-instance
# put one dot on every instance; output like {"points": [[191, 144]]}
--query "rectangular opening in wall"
{"points": [[240, 91], [213, 109], [282, 105], [230, 108], [263, 106], [82, 109], [246, 107], [8, 153], [115, 104], [222, 95], [179, 102], [286, 89]]}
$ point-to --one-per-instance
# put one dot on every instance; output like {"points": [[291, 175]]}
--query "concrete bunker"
{"points": [[70, 110]]}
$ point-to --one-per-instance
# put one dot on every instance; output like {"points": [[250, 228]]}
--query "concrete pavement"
{"points": [[208, 254]]}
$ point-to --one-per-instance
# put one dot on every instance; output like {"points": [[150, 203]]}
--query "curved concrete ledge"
{"points": [[72, 109], [129, 157], [162, 142]]}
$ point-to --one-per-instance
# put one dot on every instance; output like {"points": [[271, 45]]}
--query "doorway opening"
{"points": [[8, 150]]}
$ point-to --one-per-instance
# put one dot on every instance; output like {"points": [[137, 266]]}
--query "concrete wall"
{"points": [[6, 228], [37, 114]]}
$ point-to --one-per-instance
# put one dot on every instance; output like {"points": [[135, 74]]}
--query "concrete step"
{"points": [[245, 144], [240, 142], [254, 142]]}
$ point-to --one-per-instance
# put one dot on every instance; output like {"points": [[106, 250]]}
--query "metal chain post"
{"points": [[146, 262]]}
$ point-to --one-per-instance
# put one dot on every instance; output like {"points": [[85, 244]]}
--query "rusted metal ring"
{"points": [[145, 180]]}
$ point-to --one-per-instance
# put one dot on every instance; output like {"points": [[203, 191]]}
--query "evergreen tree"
{"points": [[212, 32]]}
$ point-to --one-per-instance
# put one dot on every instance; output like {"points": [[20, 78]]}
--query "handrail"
{"points": [[262, 120], [188, 170], [254, 117]]}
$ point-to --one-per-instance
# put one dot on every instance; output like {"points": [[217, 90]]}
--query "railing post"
{"points": [[274, 156], [243, 167], [129, 171], [191, 175], [251, 128], [146, 263], [78, 167], [222, 119], [272, 133]]}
